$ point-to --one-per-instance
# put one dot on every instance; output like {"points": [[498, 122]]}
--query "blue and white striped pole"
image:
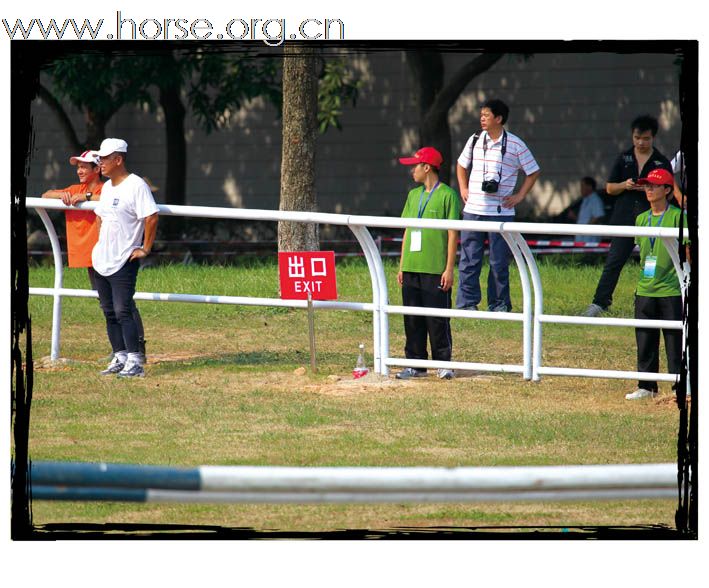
{"points": [[269, 484]]}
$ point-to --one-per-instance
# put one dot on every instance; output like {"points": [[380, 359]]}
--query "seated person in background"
{"points": [[591, 211], [658, 295]]}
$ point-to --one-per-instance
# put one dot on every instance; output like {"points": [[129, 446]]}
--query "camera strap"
{"points": [[503, 150]]}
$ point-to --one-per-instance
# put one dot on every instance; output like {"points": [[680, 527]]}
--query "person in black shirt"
{"points": [[630, 165]]}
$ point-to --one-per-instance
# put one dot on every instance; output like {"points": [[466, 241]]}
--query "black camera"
{"points": [[490, 186]]}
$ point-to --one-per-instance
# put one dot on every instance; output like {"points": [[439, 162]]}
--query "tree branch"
{"points": [[448, 95], [64, 120]]}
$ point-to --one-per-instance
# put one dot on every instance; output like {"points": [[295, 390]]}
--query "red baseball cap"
{"points": [[659, 176], [424, 155]]}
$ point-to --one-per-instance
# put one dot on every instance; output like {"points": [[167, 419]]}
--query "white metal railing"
{"points": [[532, 316]]}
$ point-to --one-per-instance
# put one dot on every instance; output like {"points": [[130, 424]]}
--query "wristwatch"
{"points": [[89, 195]]}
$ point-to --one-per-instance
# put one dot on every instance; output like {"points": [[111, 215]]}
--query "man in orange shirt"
{"points": [[81, 225]]}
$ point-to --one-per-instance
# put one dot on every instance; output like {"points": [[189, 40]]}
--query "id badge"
{"points": [[415, 243], [650, 265]]}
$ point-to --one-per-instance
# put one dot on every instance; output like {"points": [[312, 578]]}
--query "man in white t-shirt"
{"points": [[487, 189], [128, 220]]}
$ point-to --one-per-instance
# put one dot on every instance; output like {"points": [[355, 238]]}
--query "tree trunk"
{"points": [[428, 70], [300, 104], [63, 118], [95, 128], [436, 99], [176, 170]]}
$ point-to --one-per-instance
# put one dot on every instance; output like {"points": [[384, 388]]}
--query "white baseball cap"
{"points": [[109, 146], [85, 157]]}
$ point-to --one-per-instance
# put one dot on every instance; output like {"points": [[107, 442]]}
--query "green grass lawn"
{"points": [[221, 388]]}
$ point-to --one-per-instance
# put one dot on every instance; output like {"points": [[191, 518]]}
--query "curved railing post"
{"points": [[379, 296], [513, 241], [58, 281], [671, 244], [538, 307]]}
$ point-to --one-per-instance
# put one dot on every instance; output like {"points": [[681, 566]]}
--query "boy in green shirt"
{"points": [[658, 295], [427, 262]]}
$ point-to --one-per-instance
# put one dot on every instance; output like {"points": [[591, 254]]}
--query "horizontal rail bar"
{"points": [[214, 299], [357, 479], [613, 374], [70, 481], [385, 222], [202, 497], [456, 365], [454, 313], [561, 319]]}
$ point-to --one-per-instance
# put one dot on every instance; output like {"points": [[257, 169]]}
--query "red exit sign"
{"points": [[307, 272]]}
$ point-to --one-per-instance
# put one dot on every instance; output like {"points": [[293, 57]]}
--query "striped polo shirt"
{"points": [[487, 165]]}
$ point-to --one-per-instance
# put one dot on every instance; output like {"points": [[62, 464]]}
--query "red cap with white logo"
{"points": [[424, 155], [659, 177]]}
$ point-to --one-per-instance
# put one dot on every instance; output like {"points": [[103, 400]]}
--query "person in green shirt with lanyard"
{"points": [[658, 295], [427, 262]]}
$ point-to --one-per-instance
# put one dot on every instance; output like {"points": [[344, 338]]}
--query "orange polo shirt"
{"points": [[81, 229]]}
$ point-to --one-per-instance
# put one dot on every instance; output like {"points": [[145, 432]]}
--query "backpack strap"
{"points": [[476, 136]]}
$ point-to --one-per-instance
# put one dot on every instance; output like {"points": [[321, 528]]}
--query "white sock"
{"points": [[135, 358], [121, 356]]}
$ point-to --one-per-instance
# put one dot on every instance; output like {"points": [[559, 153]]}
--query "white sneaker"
{"points": [[116, 365], [640, 393], [132, 370], [445, 374]]}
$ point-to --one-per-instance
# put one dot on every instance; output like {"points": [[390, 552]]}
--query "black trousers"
{"points": [[423, 290], [115, 294], [620, 250], [136, 315], [648, 340]]}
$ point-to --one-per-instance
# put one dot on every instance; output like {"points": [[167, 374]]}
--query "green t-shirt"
{"points": [[444, 204], [665, 281]]}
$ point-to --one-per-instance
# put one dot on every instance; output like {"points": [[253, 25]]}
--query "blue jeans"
{"points": [[472, 244], [115, 295], [136, 314]]}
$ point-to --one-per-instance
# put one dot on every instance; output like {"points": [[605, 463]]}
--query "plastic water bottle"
{"points": [[360, 370]]}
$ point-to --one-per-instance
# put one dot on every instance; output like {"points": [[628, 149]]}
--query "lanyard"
{"points": [[425, 204], [649, 224]]}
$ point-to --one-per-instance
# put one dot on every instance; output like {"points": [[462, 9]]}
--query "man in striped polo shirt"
{"points": [[487, 189]]}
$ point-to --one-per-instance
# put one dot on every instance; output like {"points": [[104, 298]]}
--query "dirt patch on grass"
{"points": [[336, 385]]}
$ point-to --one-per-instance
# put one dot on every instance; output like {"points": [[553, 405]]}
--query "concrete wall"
{"points": [[573, 110]]}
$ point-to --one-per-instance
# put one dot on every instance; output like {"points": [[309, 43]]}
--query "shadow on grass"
{"points": [[113, 531]]}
